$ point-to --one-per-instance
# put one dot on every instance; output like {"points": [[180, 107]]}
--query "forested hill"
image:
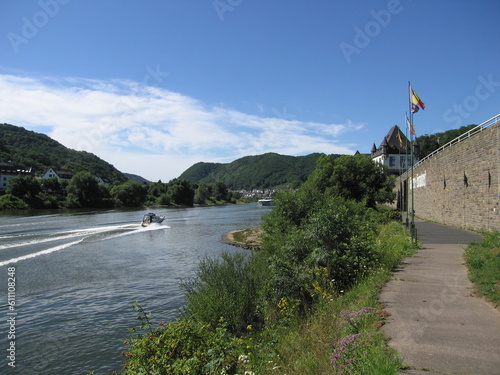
{"points": [[27, 149], [269, 170]]}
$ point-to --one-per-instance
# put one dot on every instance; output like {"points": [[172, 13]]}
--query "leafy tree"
{"points": [[129, 194], [181, 192], [202, 193], [220, 191], [23, 186], [355, 177], [83, 191], [26, 188]]}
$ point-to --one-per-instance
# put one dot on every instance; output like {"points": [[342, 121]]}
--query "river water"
{"points": [[78, 273]]}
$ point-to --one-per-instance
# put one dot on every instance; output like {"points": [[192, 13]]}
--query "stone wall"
{"points": [[459, 186]]}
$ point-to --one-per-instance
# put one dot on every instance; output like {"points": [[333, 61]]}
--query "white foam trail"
{"points": [[150, 227], [38, 241], [64, 235], [43, 252], [76, 233]]}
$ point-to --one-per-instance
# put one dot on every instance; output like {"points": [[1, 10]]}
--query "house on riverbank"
{"points": [[9, 171]]}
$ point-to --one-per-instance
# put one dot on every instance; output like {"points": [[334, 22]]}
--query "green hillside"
{"points": [[269, 170], [27, 149]]}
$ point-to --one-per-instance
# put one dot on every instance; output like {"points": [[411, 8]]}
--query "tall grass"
{"points": [[483, 260]]}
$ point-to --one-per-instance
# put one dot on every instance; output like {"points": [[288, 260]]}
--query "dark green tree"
{"points": [[83, 191], [355, 177], [202, 193], [220, 191], [24, 187], [129, 194], [181, 192]]}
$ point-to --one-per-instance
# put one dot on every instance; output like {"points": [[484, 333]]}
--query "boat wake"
{"points": [[78, 236]]}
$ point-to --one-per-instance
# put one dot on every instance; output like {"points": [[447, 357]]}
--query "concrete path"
{"points": [[436, 323]]}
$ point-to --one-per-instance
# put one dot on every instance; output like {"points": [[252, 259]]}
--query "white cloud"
{"points": [[151, 131]]}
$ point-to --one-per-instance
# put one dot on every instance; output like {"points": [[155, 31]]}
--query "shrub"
{"points": [[225, 288], [331, 248], [11, 202], [182, 347]]}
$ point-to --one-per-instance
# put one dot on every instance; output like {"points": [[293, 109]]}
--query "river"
{"points": [[75, 275]]}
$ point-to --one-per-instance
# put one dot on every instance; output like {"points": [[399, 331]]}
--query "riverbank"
{"points": [[249, 238], [340, 334]]}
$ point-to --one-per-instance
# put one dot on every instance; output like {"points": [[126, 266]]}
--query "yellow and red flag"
{"points": [[416, 102]]}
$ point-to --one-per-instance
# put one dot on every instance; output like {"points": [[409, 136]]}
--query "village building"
{"points": [[394, 151], [61, 175], [9, 171], [67, 175]]}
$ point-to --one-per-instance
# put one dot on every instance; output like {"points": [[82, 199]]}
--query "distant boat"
{"points": [[265, 202], [151, 218]]}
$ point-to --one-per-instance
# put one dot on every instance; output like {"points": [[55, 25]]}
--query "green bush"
{"points": [[227, 289], [182, 347], [11, 202], [327, 251]]}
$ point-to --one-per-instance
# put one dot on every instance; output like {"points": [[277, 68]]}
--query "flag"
{"points": [[415, 101], [411, 128], [401, 144]]}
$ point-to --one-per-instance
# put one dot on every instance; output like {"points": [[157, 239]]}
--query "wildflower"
{"points": [[348, 353], [353, 315], [355, 318]]}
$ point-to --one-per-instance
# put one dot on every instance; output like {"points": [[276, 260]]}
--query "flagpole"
{"points": [[407, 202], [401, 205], [412, 223]]}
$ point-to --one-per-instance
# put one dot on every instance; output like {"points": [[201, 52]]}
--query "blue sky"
{"points": [[156, 86]]}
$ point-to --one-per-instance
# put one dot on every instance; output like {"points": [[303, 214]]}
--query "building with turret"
{"points": [[395, 151]]}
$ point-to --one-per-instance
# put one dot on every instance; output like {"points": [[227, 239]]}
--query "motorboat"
{"points": [[151, 218], [265, 202]]}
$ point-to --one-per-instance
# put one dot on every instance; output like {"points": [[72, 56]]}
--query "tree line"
{"points": [[84, 191]]}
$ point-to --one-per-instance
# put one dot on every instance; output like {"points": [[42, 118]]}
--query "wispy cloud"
{"points": [[154, 131]]}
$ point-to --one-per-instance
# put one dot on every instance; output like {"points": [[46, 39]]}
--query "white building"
{"points": [[394, 151], [61, 175], [7, 172]]}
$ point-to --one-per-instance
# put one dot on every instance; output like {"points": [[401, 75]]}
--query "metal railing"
{"points": [[488, 123]]}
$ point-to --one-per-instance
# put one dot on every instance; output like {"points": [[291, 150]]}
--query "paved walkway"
{"points": [[436, 323]]}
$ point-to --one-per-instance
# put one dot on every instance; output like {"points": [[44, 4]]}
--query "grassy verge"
{"points": [[342, 335], [483, 261]]}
